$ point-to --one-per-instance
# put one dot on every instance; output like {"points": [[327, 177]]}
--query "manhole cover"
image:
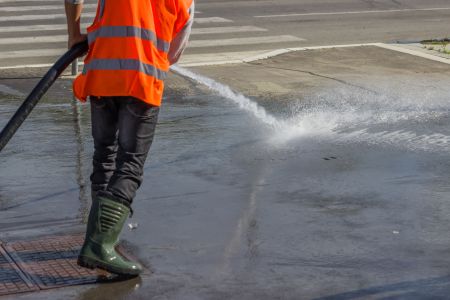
{"points": [[52, 261], [12, 280]]}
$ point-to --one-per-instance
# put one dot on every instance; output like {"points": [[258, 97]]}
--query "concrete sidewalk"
{"points": [[346, 198]]}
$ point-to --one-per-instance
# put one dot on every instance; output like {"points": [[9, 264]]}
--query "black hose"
{"points": [[39, 90]]}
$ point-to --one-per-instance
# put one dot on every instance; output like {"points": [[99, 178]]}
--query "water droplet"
{"points": [[133, 226]]}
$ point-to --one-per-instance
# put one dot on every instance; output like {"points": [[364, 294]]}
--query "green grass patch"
{"points": [[439, 45]]}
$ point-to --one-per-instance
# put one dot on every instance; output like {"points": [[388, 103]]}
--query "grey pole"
{"points": [[75, 67]]}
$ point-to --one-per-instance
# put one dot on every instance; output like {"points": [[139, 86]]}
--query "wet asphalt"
{"points": [[349, 199]]}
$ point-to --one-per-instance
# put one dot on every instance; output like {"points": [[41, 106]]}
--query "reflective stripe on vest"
{"points": [[124, 65], [129, 31]]}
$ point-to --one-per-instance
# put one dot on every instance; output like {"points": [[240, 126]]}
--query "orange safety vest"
{"points": [[129, 42]]}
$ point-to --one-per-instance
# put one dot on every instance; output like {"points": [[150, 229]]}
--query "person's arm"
{"points": [[180, 41], [73, 15]]}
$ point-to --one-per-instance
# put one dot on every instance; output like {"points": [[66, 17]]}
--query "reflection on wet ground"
{"points": [[350, 200]]}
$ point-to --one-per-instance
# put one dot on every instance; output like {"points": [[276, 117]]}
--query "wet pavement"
{"points": [[339, 191]]}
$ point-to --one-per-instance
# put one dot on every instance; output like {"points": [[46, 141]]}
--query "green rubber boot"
{"points": [[105, 222]]}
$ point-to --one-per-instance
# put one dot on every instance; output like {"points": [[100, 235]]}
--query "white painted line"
{"points": [[244, 41], [196, 60], [186, 60], [209, 63], [31, 28], [80, 64], [249, 56], [40, 7], [266, 55], [211, 20], [32, 53], [414, 52], [195, 31], [40, 1], [333, 46], [217, 58], [26, 66], [192, 44], [228, 57], [354, 12], [34, 39], [229, 29], [40, 17]]}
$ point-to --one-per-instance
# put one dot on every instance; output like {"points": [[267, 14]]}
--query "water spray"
{"points": [[243, 102], [345, 117]]}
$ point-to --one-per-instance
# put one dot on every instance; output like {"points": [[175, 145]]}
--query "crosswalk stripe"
{"points": [[229, 29], [40, 7], [192, 60], [211, 20], [40, 17], [195, 31], [245, 41], [31, 53], [15, 1], [33, 39], [218, 58], [192, 44], [353, 12], [54, 44], [90, 15], [31, 28]]}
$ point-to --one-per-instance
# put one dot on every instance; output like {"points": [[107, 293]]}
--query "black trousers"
{"points": [[123, 130]]}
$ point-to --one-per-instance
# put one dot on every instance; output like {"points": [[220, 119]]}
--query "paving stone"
{"points": [[12, 280]]}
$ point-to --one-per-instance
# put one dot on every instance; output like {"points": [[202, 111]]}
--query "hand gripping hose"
{"points": [[39, 90]]}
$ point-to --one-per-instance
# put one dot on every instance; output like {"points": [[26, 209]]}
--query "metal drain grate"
{"points": [[51, 262], [12, 280]]}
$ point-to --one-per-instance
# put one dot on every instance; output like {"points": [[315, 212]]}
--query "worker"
{"points": [[132, 44]]}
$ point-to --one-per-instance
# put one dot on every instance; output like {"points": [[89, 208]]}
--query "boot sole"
{"points": [[87, 262]]}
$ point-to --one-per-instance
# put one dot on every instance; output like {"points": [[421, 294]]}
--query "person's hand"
{"points": [[76, 39]]}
